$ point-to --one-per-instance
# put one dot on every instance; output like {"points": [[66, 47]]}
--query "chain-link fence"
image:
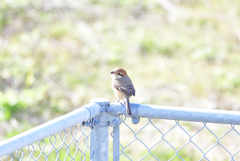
{"points": [[154, 139], [64, 138], [169, 134], [68, 144]]}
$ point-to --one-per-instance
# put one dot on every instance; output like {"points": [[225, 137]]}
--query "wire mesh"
{"points": [[150, 139], [70, 144], [155, 139]]}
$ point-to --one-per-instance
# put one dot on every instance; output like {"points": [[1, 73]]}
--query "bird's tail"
{"points": [[128, 107]]}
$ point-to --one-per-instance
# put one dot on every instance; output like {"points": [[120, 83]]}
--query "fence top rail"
{"points": [[179, 113], [84, 113], [92, 110]]}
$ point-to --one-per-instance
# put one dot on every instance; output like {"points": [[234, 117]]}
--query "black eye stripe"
{"points": [[120, 74]]}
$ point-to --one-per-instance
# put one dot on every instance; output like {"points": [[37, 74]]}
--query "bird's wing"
{"points": [[126, 86]]}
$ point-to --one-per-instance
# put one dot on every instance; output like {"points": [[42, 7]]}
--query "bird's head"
{"points": [[118, 73]]}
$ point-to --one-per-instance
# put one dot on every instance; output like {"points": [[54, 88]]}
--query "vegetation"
{"points": [[57, 55]]}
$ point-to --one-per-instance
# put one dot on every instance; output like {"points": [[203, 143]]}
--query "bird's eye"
{"points": [[120, 74]]}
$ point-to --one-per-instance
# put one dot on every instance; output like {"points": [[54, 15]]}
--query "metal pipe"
{"points": [[99, 148], [99, 136], [116, 141], [179, 113], [47, 129]]}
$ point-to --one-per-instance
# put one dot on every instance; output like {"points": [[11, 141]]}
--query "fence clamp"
{"points": [[109, 120], [135, 120]]}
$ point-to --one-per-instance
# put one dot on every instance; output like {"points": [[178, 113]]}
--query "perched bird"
{"points": [[122, 86]]}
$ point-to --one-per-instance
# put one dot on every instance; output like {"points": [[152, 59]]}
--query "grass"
{"points": [[56, 57]]}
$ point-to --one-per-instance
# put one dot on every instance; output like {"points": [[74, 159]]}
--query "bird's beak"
{"points": [[112, 72]]}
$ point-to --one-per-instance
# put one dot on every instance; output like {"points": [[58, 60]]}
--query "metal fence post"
{"points": [[116, 143], [99, 136]]}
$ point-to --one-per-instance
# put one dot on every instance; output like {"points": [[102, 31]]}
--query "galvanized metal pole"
{"points": [[116, 143], [99, 136]]}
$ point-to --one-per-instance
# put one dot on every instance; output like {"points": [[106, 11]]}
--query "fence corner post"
{"points": [[99, 135]]}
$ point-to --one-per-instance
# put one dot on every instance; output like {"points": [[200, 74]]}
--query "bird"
{"points": [[122, 86]]}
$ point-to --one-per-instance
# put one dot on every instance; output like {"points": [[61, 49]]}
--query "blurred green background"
{"points": [[55, 56]]}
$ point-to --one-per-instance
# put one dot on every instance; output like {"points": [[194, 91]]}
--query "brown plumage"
{"points": [[122, 86]]}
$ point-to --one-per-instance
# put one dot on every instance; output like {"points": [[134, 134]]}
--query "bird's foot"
{"points": [[123, 104], [118, 101]]}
